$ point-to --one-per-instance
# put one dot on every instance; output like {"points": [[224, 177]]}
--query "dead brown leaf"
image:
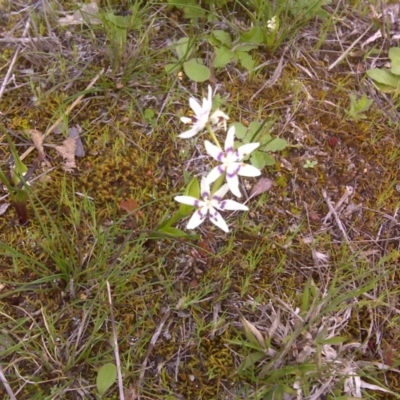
{"points": [[37, 139], [67, 151], [263, 185]]}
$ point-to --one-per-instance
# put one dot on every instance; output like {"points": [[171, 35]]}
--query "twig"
{"points": [[349, 192], [115, 340], [337, 219], [153, 341], [347, 51], [13, 61], [6, 385], [67, 112]]}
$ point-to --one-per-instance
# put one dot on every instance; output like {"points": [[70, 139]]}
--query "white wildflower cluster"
{"points": [[230, 164]]}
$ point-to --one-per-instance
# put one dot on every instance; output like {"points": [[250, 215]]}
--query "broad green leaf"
{"points": [[173, 67], [254, 35], [240, 130], [246, 47], [246, 60], [260, 159], [276, 144], [106, 377], [223, 56], [394, 55], [196, 71], [182, 48], [383, 76], [192, 190], [222, 38], [194, 11]]}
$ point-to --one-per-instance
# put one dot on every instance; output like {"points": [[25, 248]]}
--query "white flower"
{"points": [[209, 205], [219, 118], [231, 161], [271, 24], [202, 116]]}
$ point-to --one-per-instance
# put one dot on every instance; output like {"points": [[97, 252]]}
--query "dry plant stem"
{"points": [[347, 51], [13, 61], [349, 192], [115, 340], [67, 112], [337, 219], [6, 385], [153, 341]]}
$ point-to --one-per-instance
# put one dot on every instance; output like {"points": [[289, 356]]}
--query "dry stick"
{"points": [[115, 340], [153, 341], [13, 61], [67, 112], [337, 219], [6, 385], [347, 51]]}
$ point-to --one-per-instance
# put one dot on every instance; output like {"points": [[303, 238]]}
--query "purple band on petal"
{"points": [[221, 169], [232, 174], [221, 156], [202, 216], [197, 203], [222, 205], [205, 195]]}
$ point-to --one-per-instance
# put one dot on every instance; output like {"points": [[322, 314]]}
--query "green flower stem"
{"points": [[212, 134]]}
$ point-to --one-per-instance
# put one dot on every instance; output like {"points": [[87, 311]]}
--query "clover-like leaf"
{"points": [[196, 71], [106, 377]]}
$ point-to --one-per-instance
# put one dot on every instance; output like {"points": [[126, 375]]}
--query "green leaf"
{"points": [[193, 190], [173, 67], [183, 48], [221, 38], [240, 130], [251, 359], [254, 35], [196, 71], [383, 76], [333, 340], [246, 60], [194, 11], [246, 47], [276, 144], [260, 159], [171, 231], [223, 56], [106, 377], [394, 55]]}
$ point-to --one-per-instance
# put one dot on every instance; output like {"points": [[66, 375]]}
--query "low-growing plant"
{"points": [[206, 198], [388, 79]]}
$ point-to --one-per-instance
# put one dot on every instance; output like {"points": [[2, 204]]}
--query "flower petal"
{"points": [[205, 188], [217, 219], [246, 149], [215, 173], [248, 170], [220, 193], [189, 200], [213, 151], [196, 219], [219, 118], [233, 183], [195, 106], [232, 205], [186, 120], [230, 138], [190, 133]]}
